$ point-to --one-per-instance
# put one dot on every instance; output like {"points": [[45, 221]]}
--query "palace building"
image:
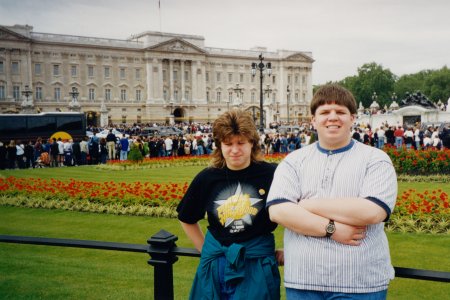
{"points": [[151, 77]]}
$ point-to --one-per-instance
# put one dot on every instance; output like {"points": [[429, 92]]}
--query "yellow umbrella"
{"points": [[61, 134]]}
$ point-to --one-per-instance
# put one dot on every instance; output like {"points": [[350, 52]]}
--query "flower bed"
{"points": [[415, 212], [420, 162]]}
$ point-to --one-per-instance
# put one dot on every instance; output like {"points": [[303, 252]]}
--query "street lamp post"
{"points": [[261, 67], [287, 101]]}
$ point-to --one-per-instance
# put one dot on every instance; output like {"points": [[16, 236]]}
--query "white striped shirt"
{"points": [[320, 263]]}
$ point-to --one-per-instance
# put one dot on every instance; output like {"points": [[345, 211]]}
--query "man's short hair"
{"points": [[333, 94]]}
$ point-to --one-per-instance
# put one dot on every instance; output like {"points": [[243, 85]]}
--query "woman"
{"points": [[233, 191]]}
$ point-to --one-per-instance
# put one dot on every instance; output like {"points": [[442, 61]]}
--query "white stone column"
{"points": [[202, 83], [9, 86], [194, 81], [150, 93], [183, 88], [160, 79], [171, 90]]}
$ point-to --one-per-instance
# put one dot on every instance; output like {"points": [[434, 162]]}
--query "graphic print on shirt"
{"points": [[236, 211]]}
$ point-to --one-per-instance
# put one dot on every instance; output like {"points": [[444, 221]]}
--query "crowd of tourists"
{"points": [[196, 139]]}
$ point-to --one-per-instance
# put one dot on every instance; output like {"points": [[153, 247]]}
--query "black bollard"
{"points": [[162, 258]]}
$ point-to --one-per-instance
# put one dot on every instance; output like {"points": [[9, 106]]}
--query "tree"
{"points": [[371, 78]]}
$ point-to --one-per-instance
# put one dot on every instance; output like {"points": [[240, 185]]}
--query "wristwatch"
{"points": [[330, 228]]}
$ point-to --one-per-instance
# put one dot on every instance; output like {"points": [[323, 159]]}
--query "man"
{"points": [[398, 133], [111, 140], [333, 197], [124, 145]]}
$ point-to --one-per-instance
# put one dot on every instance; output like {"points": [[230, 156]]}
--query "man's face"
{"points": [[333, 123]]}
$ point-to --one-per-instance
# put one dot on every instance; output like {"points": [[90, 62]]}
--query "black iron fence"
{"points": [[164, 253]]}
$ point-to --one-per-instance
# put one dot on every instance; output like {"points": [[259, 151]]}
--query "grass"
{"points": [[39, 272]]}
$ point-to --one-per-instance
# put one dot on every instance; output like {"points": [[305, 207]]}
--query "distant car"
{"points": [[289, 129], [104, 133], [161, 131]]}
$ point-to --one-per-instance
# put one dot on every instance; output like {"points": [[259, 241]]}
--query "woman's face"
{"points": [[237, 152]]}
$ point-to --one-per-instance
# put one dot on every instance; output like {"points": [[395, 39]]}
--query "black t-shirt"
{"points": [[234, 201]]}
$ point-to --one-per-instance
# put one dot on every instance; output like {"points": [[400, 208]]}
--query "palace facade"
{"points": [[151, 77]]}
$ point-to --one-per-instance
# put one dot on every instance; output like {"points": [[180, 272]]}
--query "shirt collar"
{"points": [[335, 151]]}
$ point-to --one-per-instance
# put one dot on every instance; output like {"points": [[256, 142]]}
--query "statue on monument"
{"points": [[417, 99]]}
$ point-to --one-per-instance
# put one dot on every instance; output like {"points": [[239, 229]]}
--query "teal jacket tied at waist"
{"points": [[251, 265]]}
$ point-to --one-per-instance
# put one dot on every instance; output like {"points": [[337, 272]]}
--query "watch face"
{"points": [[331, 228]]}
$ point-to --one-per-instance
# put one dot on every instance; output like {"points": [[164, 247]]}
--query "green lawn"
{"points": [[40, 272], [45, 272]]}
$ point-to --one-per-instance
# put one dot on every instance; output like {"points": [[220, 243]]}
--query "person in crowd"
{"points": [[390, 138], [76, 150], [104, 150], [332, 198], [20, 152], [94, 151], [60, 152], [381, 135], [111, 140], [29, 155], [409, 137], [417, 137], [54, 152], [3, 152], [124, 148], [37, 148], [11, 154], [68, 152], [168, 145], [398, 134], [238, 251], [84, 150]]}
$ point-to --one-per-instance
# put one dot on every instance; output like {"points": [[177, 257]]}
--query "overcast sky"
{"points": [[405, 36]]}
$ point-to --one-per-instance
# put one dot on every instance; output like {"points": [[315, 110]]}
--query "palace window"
{"points": [[175, 95], [123, 95], [303, 79], [90, 71], [15, 67], [73, 71], [91, 94], [2, 92], [296, 79], [230, 77], [55, 70], [138, 74], [122, 73], [186, 75], [230, 97], [2, 67], [274, 80], [241, 77], [207, 96], [219, 95], [107, 72], [138, 95], [207, 76], [16, 92], [186, 95], [37, 69], [218, 77], [38, 93], [57, 94], [108, 94], [253, 97]]}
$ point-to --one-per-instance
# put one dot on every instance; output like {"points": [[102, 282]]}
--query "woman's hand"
{"points": [[279, 255]]}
